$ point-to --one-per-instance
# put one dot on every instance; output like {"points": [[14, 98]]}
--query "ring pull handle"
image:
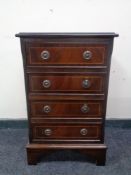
{"points": [[46, 83], [85, 109], [45, 55], [47, 109], [83, 131], [86, 83], [87, 55], [47, 132]]}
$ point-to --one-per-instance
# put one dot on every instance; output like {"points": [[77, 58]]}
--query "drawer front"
{"points": [[66, 109], [67, 55], [89, 83], [67, 131]]}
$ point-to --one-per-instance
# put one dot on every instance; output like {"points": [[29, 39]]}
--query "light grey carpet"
{"points": [[13, 156]]}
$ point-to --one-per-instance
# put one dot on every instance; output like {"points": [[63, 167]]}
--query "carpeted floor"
{"points": [[13, 156]]}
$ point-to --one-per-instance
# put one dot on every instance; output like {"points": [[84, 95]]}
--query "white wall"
{"points": [[64, 16]]}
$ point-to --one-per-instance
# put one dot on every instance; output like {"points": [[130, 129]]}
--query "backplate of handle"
{"points": [[46, 83], [47, 109], [47, 132], [83, 131], [86, 83], [45, 55], [87, 55], [85, 108]]}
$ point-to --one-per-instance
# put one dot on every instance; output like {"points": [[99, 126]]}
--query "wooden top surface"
{"points": [[64, 35]]}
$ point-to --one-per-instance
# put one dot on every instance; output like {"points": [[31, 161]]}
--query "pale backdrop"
{"points": [[64, 16]]}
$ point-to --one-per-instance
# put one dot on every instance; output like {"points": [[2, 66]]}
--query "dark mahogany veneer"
{"points": [[66, 80]]}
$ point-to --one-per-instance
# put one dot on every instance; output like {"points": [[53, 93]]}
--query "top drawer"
{"points": [[67, 55]]}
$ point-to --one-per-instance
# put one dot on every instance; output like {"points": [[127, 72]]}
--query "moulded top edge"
{"points": [[64, 35]]}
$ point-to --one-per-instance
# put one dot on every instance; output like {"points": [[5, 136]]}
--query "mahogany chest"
{"points": [[66, 81]]}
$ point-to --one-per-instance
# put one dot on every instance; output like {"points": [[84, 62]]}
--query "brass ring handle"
{"points": [[47, 109], [87, 55], [85, 108], [47, 132], [45, 55], [86, 83], [46, 83], [83, 131]]}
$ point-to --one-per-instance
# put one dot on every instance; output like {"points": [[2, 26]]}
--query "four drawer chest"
{"points": [[66, 81]]}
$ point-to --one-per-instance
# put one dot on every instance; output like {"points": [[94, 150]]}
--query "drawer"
{"points": [[62, 109], [67, 55], [58, 131], [58, 83]]}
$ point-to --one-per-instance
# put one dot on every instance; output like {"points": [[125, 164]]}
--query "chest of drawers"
{"points": [[66, 80]]}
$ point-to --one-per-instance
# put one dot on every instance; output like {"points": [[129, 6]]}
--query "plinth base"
{"points": [[96, 151]]}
